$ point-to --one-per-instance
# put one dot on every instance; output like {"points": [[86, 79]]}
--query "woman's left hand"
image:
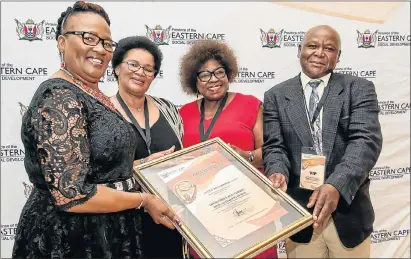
{"points": [[239, 151]]}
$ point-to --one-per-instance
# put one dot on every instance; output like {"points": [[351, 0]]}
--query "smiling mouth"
{"points": [[95, 61], [317, 63], [214, 88], [138, 81]]}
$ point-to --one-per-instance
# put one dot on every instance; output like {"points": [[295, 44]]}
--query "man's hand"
{"points": [[325, 198], [278, 181]]}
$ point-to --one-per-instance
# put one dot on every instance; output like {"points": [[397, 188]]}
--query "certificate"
{"points": [[211, 187], [229, 208]]}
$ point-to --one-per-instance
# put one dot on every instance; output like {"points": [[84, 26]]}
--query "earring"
{"points": [[62, 64], [197, 93]]}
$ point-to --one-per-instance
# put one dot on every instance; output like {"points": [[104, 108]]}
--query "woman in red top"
{"points": [[237, 119]]}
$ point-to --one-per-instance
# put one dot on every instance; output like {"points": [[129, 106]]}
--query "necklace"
{"points": [[94, 92]]}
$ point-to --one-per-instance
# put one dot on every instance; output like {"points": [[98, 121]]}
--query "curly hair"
{"points": [[200, 53], [137, 42], [79, 7]]}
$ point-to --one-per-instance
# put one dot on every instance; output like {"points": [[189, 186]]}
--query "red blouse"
{"points": [[234, 125]]}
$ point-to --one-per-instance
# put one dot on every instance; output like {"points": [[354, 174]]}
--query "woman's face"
{"points": [[136, 72], [87, 62], [212, 81]]}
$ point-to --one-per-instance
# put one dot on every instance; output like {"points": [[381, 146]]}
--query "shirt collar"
{"points": [[305, 79]]}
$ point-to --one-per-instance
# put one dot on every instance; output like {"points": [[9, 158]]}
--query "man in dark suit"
{"points": [[335, 117]]}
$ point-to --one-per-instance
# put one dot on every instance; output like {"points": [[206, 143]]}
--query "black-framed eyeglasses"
{"points": [[206, 76], [134, 67], [92, 40]]}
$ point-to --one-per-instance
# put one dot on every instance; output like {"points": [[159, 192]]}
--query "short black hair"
{"points": [[137, 42], [79, 7]]}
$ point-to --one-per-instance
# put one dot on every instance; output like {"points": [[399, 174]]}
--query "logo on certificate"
{"points": [[186, 191]]}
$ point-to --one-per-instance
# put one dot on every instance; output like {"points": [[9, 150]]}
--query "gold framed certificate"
{"points": [[229, 209]]}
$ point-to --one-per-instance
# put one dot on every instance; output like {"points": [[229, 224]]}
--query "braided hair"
{"points": [[78, 7]]}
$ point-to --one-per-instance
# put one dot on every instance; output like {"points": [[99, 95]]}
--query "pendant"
{"points": [[139, 109]]}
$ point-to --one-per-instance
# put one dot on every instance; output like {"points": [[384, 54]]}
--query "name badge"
{"points": [[312, 171]]}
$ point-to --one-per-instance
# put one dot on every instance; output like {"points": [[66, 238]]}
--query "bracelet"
{"points": [[250, 156], [142, 200]]}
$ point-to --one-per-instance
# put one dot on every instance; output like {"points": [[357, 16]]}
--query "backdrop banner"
{"points": [[265, 36]]}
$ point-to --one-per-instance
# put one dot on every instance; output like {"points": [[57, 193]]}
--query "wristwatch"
{"points": [[142, 161], [250, 156]]}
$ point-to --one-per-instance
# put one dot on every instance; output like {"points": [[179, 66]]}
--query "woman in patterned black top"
{"points": [[79, 156]]}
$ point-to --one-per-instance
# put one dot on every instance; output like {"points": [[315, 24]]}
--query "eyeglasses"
{"points": [[134, 67], [206, 76], [92, 40]]}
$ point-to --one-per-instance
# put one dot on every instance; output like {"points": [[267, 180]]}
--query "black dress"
{"points": [[159, 241], [73, 142]]}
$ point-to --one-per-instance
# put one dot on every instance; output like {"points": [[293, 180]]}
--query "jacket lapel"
{"points": [[331, 113], [296, 112]]}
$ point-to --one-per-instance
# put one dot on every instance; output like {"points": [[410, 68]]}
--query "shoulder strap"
{"points": [[172, 116]]}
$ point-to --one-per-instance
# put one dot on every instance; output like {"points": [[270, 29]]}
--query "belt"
{"points": [[125, 185]]}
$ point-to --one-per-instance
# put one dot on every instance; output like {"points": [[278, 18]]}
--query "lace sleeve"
{"points": [[63, 147]]}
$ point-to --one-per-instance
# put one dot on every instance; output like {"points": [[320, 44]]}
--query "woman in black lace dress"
{"points": [[79, 156]]}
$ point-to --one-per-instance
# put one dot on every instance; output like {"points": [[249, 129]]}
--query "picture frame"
{"points": [[229, 209]]}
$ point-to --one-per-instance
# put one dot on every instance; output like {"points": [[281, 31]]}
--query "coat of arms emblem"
{"points": [[159, 35], [271, 39], [29, 30], [366, 39]]}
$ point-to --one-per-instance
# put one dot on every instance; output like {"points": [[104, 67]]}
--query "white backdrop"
{"points": [[27, 60]]}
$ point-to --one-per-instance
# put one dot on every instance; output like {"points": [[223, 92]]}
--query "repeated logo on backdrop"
{"points": [[280, 38], [371, 39], [170, 35], [8, 231], [35, 31], [30, 30], [363, 73], [386, 173], [108, 75], [392, 107], [9, 71], [383, 235], [11, 153], [249, 76]]}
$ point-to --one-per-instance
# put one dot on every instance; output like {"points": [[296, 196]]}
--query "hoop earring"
{"points": [[62, 63]]}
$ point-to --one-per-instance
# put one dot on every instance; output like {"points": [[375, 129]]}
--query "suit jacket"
{"points": [[352, 142]]}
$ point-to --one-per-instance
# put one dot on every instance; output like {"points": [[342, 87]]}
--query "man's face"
{"points": [[319, 52]]}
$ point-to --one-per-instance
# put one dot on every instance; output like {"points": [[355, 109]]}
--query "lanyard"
{"points": [[204, 136], [146, 137]]}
